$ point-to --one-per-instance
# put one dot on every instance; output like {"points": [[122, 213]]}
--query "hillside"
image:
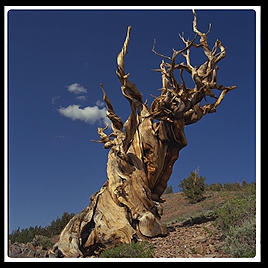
{"points": [[177, 208], [192, 229]]}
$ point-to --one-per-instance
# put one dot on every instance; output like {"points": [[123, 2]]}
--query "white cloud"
{"points": [[76, 88], [87, 114]]}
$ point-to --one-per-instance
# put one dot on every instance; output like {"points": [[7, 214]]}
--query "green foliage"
{"points": [[193, 187], [238, 209], [134, 250], [25, 235], [232, 186], [236, 186], [241, 240], [57, 225], [28, 234], [215, 187], [237, 219]]}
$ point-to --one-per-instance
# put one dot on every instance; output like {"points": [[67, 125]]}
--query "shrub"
{"points": [[238, 209], [237, 219], [193, 187], [241, 240], [215, 187], [133, 250]]}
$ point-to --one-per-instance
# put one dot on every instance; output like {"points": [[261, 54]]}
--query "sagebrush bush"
{"points": [[241, 240], [237, 219], [238, 209], [134, 250]]}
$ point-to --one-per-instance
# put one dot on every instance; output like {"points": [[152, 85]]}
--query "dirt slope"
{"points": [[191, 230]]}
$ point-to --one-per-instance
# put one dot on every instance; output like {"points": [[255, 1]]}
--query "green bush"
{"points": [[241, 240], [134, 250], [232, 186], [193, 187], [236, 186], [237, 219], [214, 187], [238, 209]]}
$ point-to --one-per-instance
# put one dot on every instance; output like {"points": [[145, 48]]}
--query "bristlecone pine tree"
{"points": [[143, 150]]}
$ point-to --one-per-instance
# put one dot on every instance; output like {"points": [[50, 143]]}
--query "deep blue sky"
{"points": [[53, 166]]}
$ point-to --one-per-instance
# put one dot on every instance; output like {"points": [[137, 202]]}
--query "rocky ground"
{"points": [[196, 241], [28, 250], [31, 249], [192, 233]]}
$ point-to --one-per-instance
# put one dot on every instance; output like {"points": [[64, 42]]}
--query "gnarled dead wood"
{"points": [[143, 150]]}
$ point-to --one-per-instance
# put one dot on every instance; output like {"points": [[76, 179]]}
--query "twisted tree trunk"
{"points": [[143, 151]]}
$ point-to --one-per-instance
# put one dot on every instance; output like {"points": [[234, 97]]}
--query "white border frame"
{"points": [[257, 258]]}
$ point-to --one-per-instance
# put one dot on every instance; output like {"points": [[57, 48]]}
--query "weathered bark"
{"points": [[143, 151]]}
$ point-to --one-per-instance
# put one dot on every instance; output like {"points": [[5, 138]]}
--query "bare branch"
{"points": [[165, 82], [182, 79], [117, 123], [221, 54], [128, 88], [194, 115], [187, 47], [195, 24], [209, 29], [104, 138], [123, 52], [182, 38], [157, 53]]}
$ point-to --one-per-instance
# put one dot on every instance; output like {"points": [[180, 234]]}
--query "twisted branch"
{"points": [[186, 101]]}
